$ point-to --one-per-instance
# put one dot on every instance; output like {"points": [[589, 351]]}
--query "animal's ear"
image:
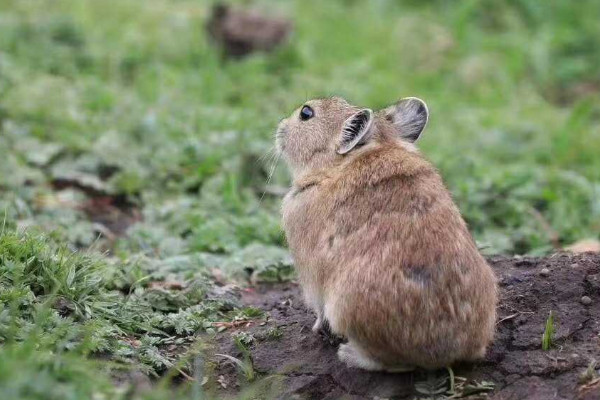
{"points": [[409, 116], [356, 130]]}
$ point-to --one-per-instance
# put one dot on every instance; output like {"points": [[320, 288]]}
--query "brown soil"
{"points": [[241, 31], [307, 364], [113, 214]]}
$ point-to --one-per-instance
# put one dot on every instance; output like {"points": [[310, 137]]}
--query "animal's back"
{"points": [[405, 278]]}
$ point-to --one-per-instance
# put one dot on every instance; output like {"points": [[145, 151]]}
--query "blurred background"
{"points": [[139, 108], [143, 130]]}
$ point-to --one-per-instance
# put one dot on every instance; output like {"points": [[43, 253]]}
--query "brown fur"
{"points": [[380, 248]]}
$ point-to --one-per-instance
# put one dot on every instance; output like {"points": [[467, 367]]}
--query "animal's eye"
{"points": [[306, 113]]}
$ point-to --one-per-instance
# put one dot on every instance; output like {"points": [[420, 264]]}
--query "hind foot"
{"points": [[353, 356]]}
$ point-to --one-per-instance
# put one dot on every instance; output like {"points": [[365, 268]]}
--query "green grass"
{"points": [[57, 308], [129, 99], [245, 366], [548, 335]]}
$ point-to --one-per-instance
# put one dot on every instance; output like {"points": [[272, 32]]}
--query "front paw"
{"points": [[324, 330]]}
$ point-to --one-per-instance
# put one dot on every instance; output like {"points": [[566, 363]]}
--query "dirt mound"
{"points": [[240, 32], [567, 285]]}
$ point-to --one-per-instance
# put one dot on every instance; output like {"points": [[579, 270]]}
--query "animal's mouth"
{"points": [[281, 132], [280, 135]]}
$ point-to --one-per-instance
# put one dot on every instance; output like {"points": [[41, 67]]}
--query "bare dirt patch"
{"points": [[515, 363], [241, 31], [113, 214]]}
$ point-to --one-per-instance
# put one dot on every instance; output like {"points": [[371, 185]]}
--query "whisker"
{"points": [[271, 172], [270, 151]]}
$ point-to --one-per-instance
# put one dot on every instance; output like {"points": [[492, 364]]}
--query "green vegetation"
{"points": [[548, 336], [274, 333], [245, 366], [56, 304], [122, 111]]}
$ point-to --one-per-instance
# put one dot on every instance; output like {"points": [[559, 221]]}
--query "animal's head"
{"points": [[324, 132]]}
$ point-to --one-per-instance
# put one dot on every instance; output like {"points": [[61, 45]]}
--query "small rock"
{"points": [[575, 265], [545, 272], [586, 300]]}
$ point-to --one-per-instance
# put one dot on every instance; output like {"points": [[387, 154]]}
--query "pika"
{"points": [[382, 253]]}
